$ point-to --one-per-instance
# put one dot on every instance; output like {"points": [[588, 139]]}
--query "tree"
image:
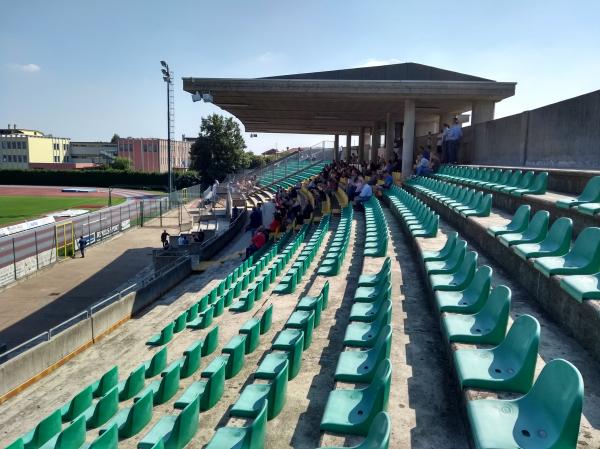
{"points": [[219, 148], [115, 138], [121, 163]]}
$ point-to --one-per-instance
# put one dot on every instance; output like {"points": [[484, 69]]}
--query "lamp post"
{"points": [[167, 78]]}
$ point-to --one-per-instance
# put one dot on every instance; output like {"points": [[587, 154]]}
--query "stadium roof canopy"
{"points": [[342, 101]]}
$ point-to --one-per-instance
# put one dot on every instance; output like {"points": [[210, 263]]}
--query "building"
{"points": [[100, 153], [396, 100], [150, 154], [271, 152], [21, 147]]}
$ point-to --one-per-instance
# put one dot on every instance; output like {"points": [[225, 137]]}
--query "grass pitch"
{"points": [[15, 209]]}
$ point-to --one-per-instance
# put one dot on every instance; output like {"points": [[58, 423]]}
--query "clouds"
{"points": [[25, 68], [372, 62], [269, 57]]}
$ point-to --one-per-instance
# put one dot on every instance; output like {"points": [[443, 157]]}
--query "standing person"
{"points": [[454, 135], [82, 245], [268, 211], [164, 239], [445, 131]]}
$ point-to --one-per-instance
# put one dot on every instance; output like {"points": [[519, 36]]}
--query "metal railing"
{"points": [[90, 311]]}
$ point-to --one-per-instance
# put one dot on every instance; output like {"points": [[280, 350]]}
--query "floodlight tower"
{"points": [[168, 78]]}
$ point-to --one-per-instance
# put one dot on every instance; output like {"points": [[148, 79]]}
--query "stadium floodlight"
{"points": [[164, 64], [208, 98], [166, 73], [196, 97]]}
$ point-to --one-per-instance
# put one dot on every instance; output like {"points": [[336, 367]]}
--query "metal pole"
{"points": [[160, 207], [14, 258], [169, 132], [37, 256]]}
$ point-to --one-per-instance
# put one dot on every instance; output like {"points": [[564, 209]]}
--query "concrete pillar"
{"points": [[348, 146], [375, 141], [361, 145], [336, 148], [408, 137], [483, 111], [389, 136]]}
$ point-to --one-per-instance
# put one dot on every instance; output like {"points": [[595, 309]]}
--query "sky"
{"points": [[88, 69]]}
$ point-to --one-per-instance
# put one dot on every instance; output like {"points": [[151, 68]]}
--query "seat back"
{"points": [[591, 191], [497, 306], [475, 201], [520, 219], [538, 226], [504, 177], [478, 291], [514, 178], [540, 183], [587, 249], [266, 319], [134, 383], [467, 267], [210, 341], [521, 345], [192, 356], [108, 380], [560, 235], [139, 415], [45, 429], [157, 363], [384, 341], [185, 427], [73, 436], [258, 427], [215, 375], [458, 253], [451, 240], [526, 180], [105, 408], [550, 413], [379, 388], [379, 433], [485, 205], [108, 439], [80, 402]]}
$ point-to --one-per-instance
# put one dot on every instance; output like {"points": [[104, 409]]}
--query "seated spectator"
{"points": [[182, 240], [258, 241], [366, 192], [388, 180], [275, 224], [423, 168]]}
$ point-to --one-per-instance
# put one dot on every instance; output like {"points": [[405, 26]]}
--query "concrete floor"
{"points": [[423, 401]]}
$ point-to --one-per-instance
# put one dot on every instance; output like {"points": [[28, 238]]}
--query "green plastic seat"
{"points": [[488, 326], [219, 306], [108, 440], [353, 411], [252, 397], [367, 311], [251, 329], [444, 252], [76, 406], [582, 287], [43, 431], [292, 342], [518, 223], [210, 342], [556, 243], [202, 304], [272, 364], [590, 194], [164, 388], [235, 349], [266, 320], [108, 380], [190, 362], [304, 321], [538, 186], [536, 231], [245, 303], [100, 412], [373, 294], [512, 181], [165, 336], [469, 300], [370, 280], [589, 208], [210, 389], [312, 303], [483, 208], [360, 366], [156, 364], [458, 280], [130, 421], [72, 437], [179, 323], [175, 432], [365, 335], [17, 444], [250, 437], [510, 366], [378, 436], [133, 384], [524, 183], [547, 417], [451, 264], [203, 320], [583, 258]]}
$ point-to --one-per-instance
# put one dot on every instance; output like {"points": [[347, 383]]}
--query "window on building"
{"points": [[10, 158], [3, 145], [25, 158], [5, 158]]}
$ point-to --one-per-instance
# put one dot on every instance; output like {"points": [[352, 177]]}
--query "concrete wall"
{"points": [[560, 135]]}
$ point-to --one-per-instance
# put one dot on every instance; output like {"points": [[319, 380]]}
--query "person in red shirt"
{"points": [[258, 241]]}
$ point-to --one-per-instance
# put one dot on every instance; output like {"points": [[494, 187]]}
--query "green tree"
{"points": [[219, 149], [115, 138], [121, 163]]}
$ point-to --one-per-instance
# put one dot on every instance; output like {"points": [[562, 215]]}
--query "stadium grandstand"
{"points": [[382, 309]]}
